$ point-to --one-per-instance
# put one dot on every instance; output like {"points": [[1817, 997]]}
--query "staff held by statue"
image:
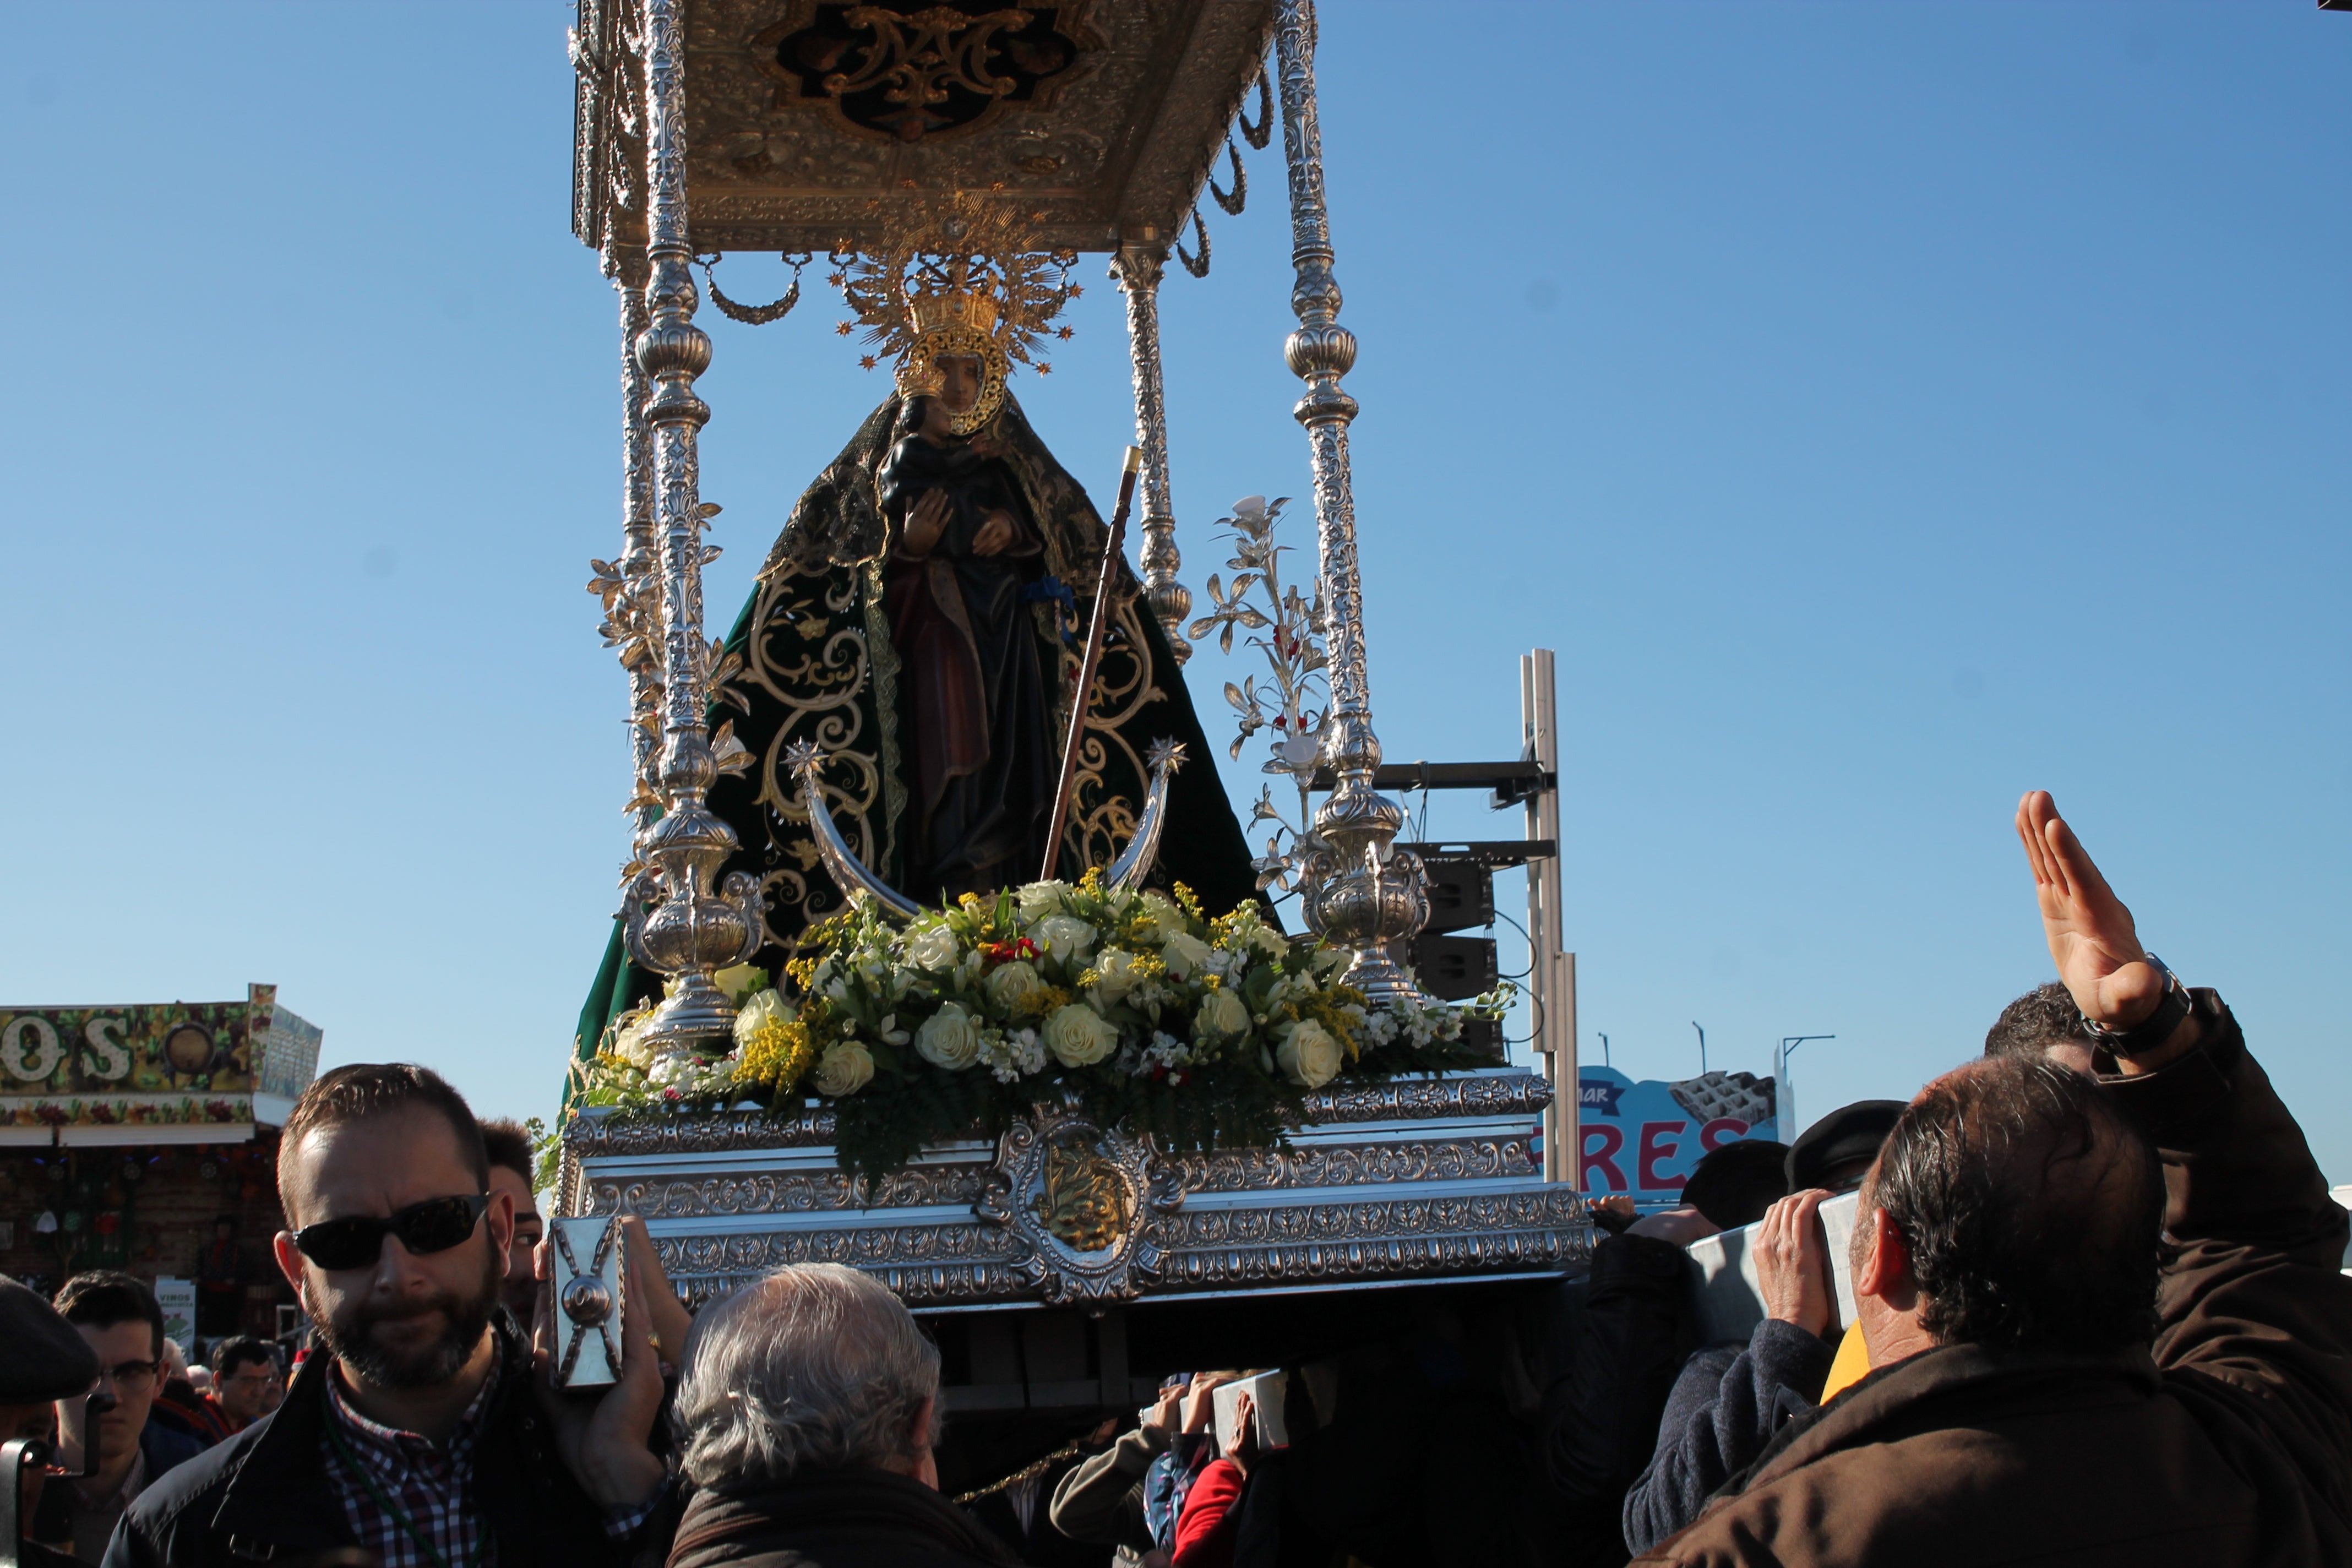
{"points": [[1106, 579]]}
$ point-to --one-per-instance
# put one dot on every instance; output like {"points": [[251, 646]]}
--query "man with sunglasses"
{"points": [[421, 1430], [121, 1323]]}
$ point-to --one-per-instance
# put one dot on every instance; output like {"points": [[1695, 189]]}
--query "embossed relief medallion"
{"points": [[1088, 1206], [908, 69]]}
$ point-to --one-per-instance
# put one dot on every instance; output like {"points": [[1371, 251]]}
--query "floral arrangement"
{"points": [[1138, 1006]]}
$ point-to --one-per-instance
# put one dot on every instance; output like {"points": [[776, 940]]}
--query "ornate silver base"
{"points": [[1419, 1179]]}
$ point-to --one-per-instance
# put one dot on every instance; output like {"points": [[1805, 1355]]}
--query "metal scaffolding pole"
{"points": [[1551, 970]]}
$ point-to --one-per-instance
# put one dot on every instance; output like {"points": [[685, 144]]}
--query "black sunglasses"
{"points": [[436, 1224]]}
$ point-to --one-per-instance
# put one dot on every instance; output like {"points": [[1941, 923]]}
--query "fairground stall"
{"points": [[942, 950], [143, 1137]]}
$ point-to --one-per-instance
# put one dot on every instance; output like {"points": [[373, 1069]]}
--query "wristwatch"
{"points": [[2157, 1028]]}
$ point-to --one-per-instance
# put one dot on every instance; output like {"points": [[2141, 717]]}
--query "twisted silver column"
{"points": [[673, 920], [637, 613], [1137, 268], [1359, 894]]}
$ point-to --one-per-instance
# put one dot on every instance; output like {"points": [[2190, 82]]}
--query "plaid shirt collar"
{"points": [[432, 1486]]}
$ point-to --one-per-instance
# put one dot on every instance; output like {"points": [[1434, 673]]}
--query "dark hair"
{"points": [[2042, 1017], [910, 416], [363, 1089], [240, 1350], [506, 1142], [1734, 1184], [2032, 1210], [103, 1297]]}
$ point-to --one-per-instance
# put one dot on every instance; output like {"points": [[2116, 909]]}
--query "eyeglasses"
{"points": [[436, 1224], [131, 1376]]}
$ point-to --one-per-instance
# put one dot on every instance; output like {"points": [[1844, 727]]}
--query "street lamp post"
{"points": [[1786, 1101]]}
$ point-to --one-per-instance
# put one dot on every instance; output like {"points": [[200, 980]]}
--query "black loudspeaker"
{"points": [[1451, 968], [1461, 894]]}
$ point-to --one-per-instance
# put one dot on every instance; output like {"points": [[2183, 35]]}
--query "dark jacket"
{"points": [[845, 1519], [264, 1494], [1730, 1401], [1600, 1419], [167, 1448], [2225, 1443]]}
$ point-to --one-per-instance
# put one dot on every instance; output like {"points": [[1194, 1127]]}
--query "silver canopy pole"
{"points": [[674, 922], [1137, 268], [1361, 895], [634, 619]]}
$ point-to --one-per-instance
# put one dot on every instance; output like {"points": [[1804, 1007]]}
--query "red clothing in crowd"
{"points": [[1210, 1526]]}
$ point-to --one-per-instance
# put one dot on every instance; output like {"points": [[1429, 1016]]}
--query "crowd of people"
{"points": [[2098, 1316]]}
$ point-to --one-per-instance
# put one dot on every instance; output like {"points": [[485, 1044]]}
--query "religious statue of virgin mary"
{"points": [[921, 621]]}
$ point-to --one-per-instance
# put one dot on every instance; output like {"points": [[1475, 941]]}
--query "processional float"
{"points": [[811, 129]]}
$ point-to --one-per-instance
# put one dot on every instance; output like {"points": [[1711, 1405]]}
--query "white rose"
{"points": [[1040, 899], [1115, 974], [740, 980], [1065, 936], [1079, 1035], [1309, 1055], [630, 1044], [932, 948], [1270, 941], [1013, 984], [1221, 1013], [844, 1068], [1184, 952], [948, 1038], [764, 1008]]}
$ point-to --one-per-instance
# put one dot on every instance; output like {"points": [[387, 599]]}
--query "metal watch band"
{"points": [[2157, 1028]]}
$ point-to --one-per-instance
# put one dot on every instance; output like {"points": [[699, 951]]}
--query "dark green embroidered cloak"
{"points": [[811, 659]]}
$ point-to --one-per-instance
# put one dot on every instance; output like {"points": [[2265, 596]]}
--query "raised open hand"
{"points": [[2091, 938]]}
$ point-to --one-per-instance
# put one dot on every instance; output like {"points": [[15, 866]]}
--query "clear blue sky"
{"points": [[1883, 410]]}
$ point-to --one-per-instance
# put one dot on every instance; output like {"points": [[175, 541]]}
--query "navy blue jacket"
{"points": [[1729, 1403]]}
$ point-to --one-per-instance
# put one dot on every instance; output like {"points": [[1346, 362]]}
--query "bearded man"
{"points": [[427, 1432]]}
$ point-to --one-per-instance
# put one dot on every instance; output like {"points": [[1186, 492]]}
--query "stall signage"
{"points": [[185, 1047], [1643, 1137]]}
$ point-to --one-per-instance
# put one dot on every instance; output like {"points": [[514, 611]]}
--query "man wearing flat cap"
{"points": [[1834, 1153], [43, 1359]]}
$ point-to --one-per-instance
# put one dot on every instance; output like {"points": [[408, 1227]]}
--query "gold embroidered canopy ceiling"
{"points": [[810, 121]]}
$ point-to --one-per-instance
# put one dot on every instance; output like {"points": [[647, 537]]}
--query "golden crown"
{"points": [[955, 266], [937, 312]]}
